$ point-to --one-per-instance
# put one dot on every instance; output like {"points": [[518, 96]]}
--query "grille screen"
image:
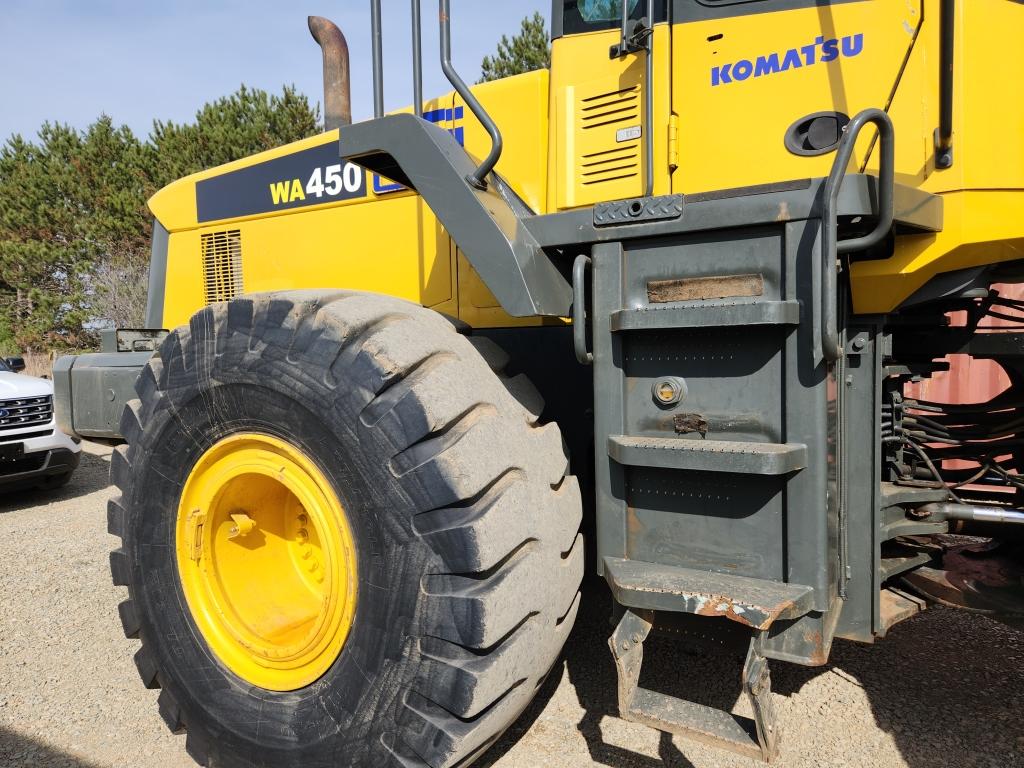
{"points": [[602, 140], [222, 265], [25, 412], [604, 114]]}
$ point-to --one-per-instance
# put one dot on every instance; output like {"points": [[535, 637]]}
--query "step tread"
{"points": [[708, 455], [910, 527], [894, 495], [711, 726], [894, 565], [754, 602], [707, 315], [896, 606]]}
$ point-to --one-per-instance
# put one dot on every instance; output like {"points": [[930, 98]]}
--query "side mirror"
{"points": [[16, 364]]}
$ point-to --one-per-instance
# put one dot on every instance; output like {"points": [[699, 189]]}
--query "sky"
{"points": [[71, 60]]}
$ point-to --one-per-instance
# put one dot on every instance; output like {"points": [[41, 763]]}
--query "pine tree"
{"points": [[74, 227], [235, 126], [525, 52]]}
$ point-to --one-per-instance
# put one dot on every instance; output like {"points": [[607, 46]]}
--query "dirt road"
{"points": [[944, 689]]}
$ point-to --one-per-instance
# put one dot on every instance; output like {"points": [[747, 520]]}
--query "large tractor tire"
{"points": [[347, 539]]}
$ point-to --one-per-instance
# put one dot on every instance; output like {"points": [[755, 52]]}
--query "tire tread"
{"points": [[498, 520]]}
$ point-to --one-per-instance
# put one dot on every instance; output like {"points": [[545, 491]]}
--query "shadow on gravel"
{"points": [[92, 475], [18, 751], [592, 674], [947, 686]]}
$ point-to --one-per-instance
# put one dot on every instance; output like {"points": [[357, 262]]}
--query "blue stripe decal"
{"points": [[382, 186]]}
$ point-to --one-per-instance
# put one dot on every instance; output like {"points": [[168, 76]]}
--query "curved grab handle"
{"points": [[477, 179], [579, 310], [831, 246]]}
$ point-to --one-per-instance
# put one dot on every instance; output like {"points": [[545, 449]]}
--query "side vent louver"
{"points": [[222, 265], [605, 158], [600, 143]]}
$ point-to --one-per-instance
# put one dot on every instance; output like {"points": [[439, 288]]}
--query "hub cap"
{"points": [[267, 561]]}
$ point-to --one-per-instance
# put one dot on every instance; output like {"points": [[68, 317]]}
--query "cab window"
{"points": [[596, 11], [594, 15]]}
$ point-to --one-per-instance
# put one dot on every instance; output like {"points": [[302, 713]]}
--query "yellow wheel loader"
{"points": [[669, 292]]}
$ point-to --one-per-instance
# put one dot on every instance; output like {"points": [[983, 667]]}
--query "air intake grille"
{"points": [[604, 118], [25, 412], [222, 265], [612, 164], [608, 108]]}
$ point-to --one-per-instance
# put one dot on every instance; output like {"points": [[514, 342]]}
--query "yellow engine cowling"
{"points": [[726, 90], [283, 230]]}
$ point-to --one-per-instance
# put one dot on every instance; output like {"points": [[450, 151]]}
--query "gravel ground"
{"points": [[944, 689]]}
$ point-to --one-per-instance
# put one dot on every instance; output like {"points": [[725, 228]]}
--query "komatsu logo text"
{"points": [[821, 51]]}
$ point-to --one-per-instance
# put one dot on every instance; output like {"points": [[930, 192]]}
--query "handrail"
{"points": [[579, 310], [831, 246], [947, 54], [631, 34], [477, 179], [649, 103], [417, 61], [378, 59]]}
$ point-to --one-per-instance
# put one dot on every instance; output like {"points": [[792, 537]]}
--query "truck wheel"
{"points": [[347, 539]]}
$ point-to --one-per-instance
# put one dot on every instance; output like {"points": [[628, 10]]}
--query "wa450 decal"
{"points": [[308, 177]]}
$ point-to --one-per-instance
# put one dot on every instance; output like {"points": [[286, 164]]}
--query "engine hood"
{"points": [[15, 385]]}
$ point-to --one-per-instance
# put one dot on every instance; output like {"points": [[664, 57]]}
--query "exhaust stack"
{"points": [[337, 88]]}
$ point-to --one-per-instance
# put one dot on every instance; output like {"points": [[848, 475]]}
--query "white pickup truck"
{"points": [[33, 451]]}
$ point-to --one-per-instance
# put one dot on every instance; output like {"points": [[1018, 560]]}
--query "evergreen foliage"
{"points": [[525, 52], [74, 227]]}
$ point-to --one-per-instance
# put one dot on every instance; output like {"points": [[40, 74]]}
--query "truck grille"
{"points": [[222, 265], [25, 412]]}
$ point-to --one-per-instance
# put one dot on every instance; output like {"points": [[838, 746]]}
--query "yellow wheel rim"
{"points": [[267, 561]]}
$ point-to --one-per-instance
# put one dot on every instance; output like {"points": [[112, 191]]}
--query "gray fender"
{"points": [[486, 224]]}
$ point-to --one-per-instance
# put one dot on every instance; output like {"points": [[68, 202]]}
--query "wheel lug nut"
{"points": [[302, 536]]}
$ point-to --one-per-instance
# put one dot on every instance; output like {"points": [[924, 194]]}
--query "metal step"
{"points": [[909, 527], [711, 726], [708, 455], [708, 315], [895, 605], [756, 737], [892, 566], [757, 603], [895, 495]]}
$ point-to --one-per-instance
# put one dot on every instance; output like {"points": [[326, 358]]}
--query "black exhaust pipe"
{"points": [[337, 87]]}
